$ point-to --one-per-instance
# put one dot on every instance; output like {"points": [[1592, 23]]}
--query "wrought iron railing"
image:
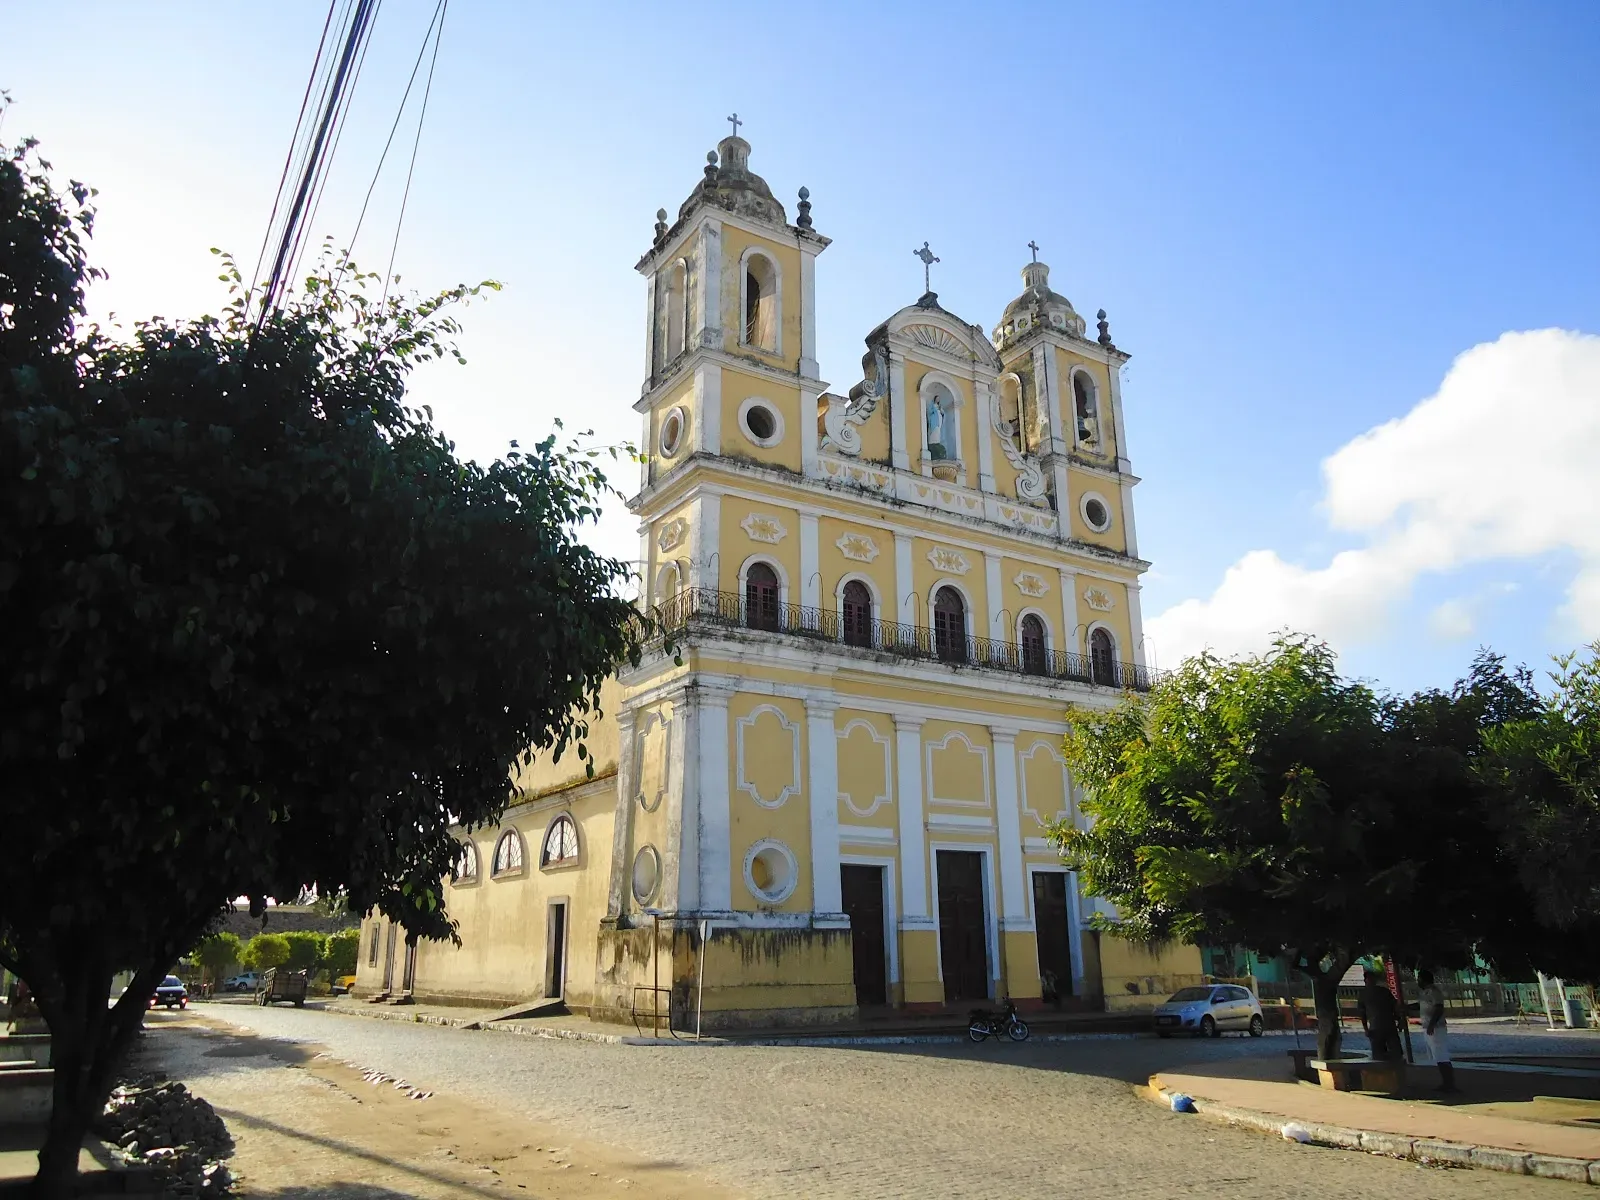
{"points": [[701, 607]]}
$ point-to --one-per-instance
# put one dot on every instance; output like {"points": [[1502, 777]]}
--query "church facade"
{"points": [[833, 793]]}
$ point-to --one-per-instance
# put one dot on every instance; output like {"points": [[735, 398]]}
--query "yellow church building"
{"points": [[833, 795]]}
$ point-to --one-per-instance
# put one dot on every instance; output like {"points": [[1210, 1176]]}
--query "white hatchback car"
{"points": [[1209, 1011]]}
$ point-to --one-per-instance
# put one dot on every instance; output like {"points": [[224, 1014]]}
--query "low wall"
{"points": [[25, 1095]]}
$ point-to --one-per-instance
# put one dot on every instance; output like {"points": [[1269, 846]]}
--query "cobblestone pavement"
{"points": [[903, 1121]]}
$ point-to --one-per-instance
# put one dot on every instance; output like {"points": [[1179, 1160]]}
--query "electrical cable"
{"points": [[388, 275]]}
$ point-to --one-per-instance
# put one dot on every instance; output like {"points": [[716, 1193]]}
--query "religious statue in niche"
{"points": [[937, 419]]}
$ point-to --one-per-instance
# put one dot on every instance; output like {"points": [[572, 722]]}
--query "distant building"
{"points": [[884, 602]]}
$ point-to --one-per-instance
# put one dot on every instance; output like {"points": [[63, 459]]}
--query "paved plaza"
{"points": [[895, 1121]]}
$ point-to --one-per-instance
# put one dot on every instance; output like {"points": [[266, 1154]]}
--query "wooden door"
{"points": [[388, 957], [1054, 932], [862, 888], [555, 967], [963, 940]]}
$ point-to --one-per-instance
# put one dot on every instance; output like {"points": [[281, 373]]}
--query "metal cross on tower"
{"points": [[1034, 246], [928, 258], [734, 120]]}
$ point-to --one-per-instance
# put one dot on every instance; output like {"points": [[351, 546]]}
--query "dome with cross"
{"points": [[730, 184], [1037, 307]]}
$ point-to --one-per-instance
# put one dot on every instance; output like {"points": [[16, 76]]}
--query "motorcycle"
{"points": [[982, 1023]]}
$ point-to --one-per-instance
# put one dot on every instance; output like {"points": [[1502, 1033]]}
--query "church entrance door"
{"points": [[963, 940], [388, 957], [555, 964], [1054, 933], [862, 888]]}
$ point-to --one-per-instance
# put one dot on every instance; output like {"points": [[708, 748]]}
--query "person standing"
{"points": [[1380, 1018], [1436, 1030]]}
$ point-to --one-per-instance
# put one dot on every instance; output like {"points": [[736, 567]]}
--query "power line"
{"points": [[388, 275]]}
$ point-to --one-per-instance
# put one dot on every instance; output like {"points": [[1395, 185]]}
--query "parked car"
{"points": [[170, 992], [1209, 1011], [343, 984], [241, 983]]}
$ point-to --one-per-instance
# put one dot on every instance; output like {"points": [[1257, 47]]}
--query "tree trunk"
{"points": [[1325, 999], [87, 1040]]}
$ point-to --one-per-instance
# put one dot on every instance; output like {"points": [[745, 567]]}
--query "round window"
{"points": [[1096, 514], [646, 873], [770, 871], [672, 432], [760, 422]]}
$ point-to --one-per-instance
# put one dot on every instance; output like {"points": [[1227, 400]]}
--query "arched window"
{"points": [[507, 854], [855, 608], [1083, 399], [467, 863], [761, 597], [674, 310], [1102, 657], [950, 625], [1033, 649], [761, 303], [560, 843], [1010, 400]]}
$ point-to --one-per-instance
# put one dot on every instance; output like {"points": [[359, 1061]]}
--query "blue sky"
{"points": [[1297, 217]]}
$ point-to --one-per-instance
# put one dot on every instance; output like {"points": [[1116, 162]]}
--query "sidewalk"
{"points": [[891, 1029], [1507, 1119]]}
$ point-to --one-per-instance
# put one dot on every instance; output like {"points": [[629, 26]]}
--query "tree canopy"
{"points": [[1271, 803], [265, 951], [263, 629]]}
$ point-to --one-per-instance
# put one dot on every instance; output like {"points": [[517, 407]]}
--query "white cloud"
{"points": [[1502, 462], [1452, 621]]}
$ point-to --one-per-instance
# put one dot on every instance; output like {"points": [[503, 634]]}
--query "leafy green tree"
{"points": [[265, 951], [306, 950], [260, 627], [215, 953], [343, 949], [1270, 803], [1546, 760]]}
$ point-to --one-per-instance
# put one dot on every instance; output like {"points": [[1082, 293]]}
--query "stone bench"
{"points": [[26, 1047], [1359, 1074], [25, 1095]]}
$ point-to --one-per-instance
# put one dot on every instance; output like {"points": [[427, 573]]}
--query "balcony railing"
{"points": [[695, 608]]}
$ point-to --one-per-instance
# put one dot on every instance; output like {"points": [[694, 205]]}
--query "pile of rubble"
{"points": [[161, 1124]]}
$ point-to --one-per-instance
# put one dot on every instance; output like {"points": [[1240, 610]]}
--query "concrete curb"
{"points": [[619, 1039], [1394, 1145]]}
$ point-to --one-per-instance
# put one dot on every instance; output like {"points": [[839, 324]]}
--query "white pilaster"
{"points": [[904, 580], [1008, 828], [680, 854], [822, 760], [914, 907], [808, 315], [622, 826], [650, 330], [808, 430], [707, 408], [708, 287], [991, 588], [983, 393], [1064, 500], [1075, 934], [1070, 642], [1136, 624], [1115, 373], [1044, 380], [646, 568], [810, 563], [1130, 531], [705, 522], [899, 402], [714, 819]]}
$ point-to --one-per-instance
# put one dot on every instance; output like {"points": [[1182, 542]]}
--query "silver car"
{"points": [[1209, 1011]]}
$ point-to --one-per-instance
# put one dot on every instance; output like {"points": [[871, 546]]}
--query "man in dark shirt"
{"points": [[1380, 1017]]}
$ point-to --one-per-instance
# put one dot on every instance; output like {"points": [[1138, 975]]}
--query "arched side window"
{"points": [[507, 854], [467, 863], [560, 843], [1103, 657], [760, 303], [855, 612], [1009, 399], [1087, 407], [1034, 656], [761, 597], [669, 581], [950, 625], [675, 310]]}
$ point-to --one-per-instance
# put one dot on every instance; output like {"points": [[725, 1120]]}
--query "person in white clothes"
{"points": [[1436, 1030]]}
